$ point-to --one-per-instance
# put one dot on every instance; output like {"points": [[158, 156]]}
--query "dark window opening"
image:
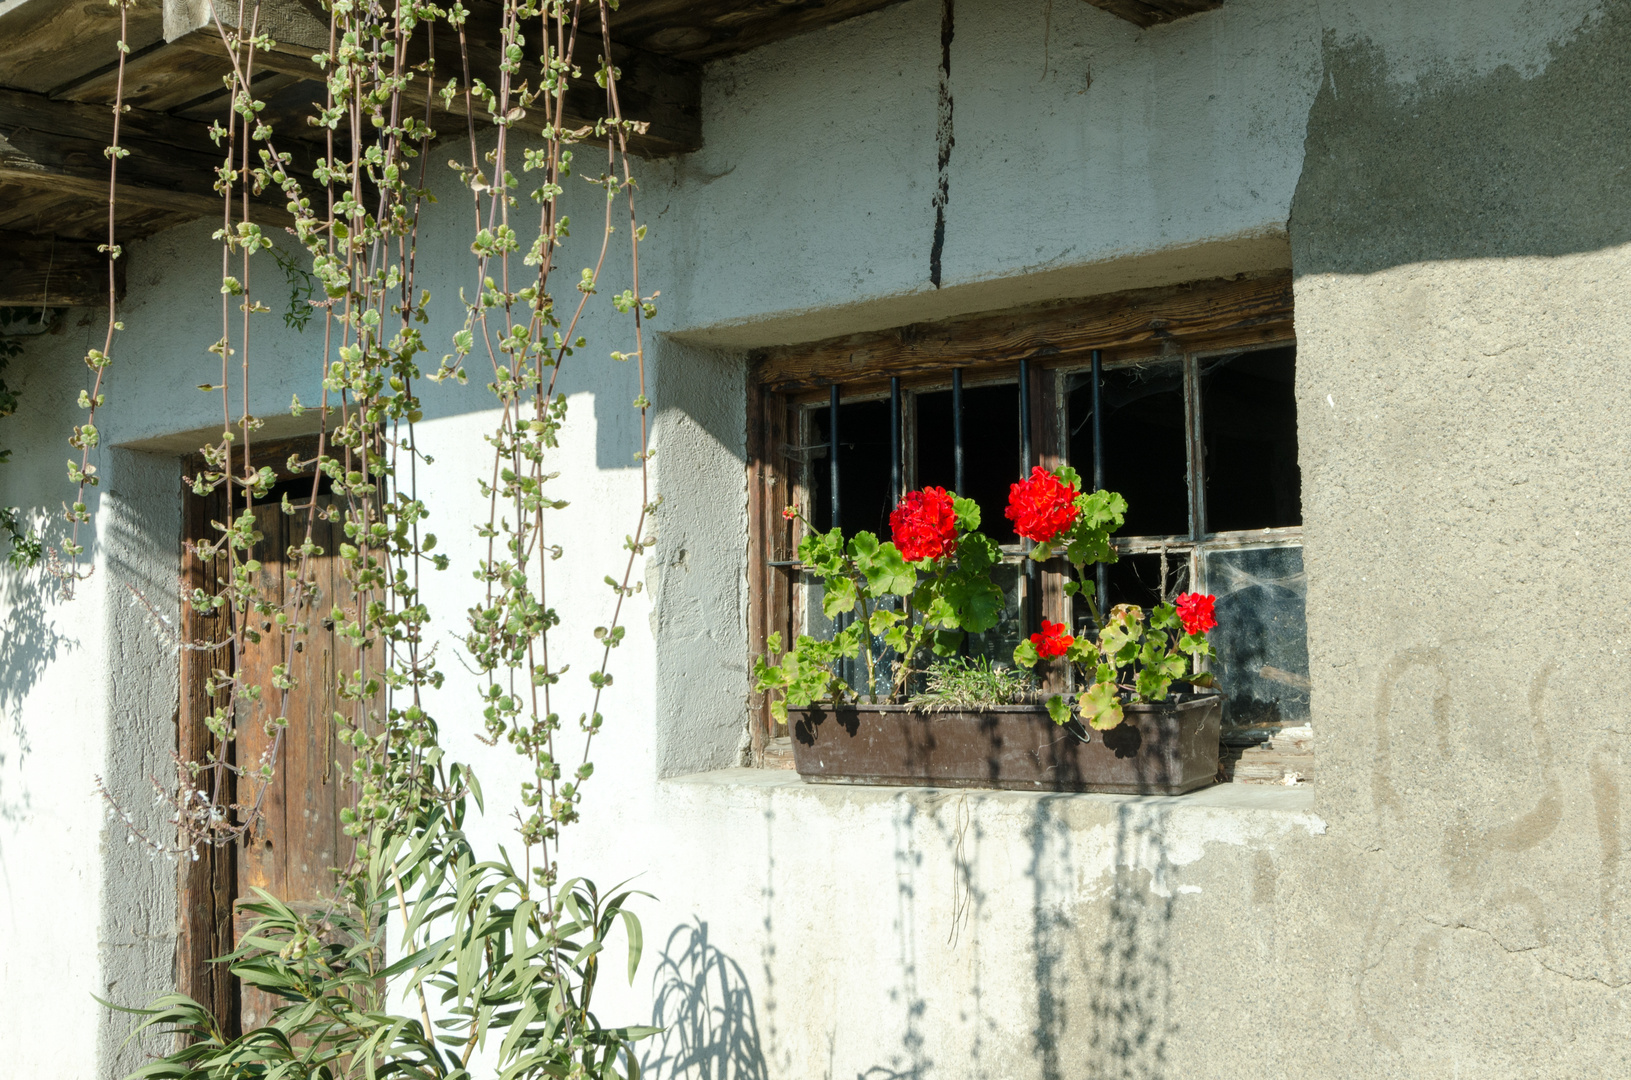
{"points": [[1249, 426], [991, 453], [864, 484], [1145, 450]]}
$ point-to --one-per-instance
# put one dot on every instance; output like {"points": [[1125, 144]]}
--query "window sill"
{"points": [[1248, 798]]}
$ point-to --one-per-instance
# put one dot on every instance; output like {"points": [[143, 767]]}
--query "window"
{"points": [[1195, 425], [1204, 447]]}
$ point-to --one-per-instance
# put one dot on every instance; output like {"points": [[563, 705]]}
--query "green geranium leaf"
{"points": [[977, 553], [1164, 617], [968, 513], [1101, 704], [1025, 654], [883, 619], [887, 572], [838, 597], [947, 642], [1155, 677], [1059, 709], [975, 599]]}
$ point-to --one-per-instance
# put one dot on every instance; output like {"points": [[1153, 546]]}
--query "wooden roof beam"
{"points": [[45, 271], [1153, 12], [58, 146], [663, 92]]}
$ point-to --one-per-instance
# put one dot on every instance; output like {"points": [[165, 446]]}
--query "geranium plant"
{"points": [[1136, 657], [920, 591]]}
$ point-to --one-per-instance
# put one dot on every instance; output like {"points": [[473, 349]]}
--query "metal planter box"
{"points": [[1165, 748]]}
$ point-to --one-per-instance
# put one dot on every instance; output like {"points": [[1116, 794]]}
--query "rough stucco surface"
{"points": [[1448, 186]]}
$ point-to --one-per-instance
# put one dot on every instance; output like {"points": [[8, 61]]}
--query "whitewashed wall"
{"points": [[805, 932]]}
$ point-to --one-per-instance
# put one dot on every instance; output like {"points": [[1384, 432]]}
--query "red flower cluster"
{"points": [[924, 525], [1195, 612], [1052, 641], [1041, 506]]}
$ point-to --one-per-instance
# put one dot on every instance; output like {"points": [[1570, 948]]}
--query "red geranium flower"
{"points": [[1195, 612], [924, 525], [1041, 506], [1052, 641]]}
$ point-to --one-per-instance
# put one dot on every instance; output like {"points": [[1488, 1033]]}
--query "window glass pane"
{"points": [[863, 468], [852, 669], [990, 450], [1146, 455], [1136, 579], [1262, 633], [998, 643], [1249, 425]]}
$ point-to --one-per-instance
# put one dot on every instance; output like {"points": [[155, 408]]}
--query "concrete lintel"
{"points": [[1253, 252]]}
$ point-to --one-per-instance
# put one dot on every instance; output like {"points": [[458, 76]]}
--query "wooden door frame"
{"points": [[207, 888]]}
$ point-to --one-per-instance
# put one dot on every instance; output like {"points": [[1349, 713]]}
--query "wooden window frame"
{"points": [[1220, 315]]}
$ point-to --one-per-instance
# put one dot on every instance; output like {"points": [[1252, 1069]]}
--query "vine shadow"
{"points": [[1123, 1028], [1131, 1006], [706, 1010]]}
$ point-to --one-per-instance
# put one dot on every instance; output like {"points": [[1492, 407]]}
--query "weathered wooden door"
{"points": [[297, 843]]}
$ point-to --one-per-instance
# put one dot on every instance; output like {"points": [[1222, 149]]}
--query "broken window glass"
{"points": [[1262, 633]]}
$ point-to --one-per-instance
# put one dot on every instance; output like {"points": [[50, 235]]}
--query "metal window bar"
{"points": [[1029, 608], [1102, 571], [832, 454], [957, 430], [895, 488]]}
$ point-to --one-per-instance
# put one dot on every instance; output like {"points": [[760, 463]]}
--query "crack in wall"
{"points": [[945, 140]]}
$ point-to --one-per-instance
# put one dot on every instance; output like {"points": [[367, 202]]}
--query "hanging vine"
{"points": [[493, 953]]}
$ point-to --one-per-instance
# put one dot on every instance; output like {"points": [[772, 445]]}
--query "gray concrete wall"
{"points": [[1449, 188]]}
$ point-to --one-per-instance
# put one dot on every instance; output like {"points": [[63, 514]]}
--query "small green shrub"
{"points": [[962, 683]]}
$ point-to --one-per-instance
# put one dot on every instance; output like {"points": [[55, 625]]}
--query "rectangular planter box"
{"points": [[1166, 748]]}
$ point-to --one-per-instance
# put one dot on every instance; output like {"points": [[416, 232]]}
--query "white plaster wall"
{"points": [[798, 932]]}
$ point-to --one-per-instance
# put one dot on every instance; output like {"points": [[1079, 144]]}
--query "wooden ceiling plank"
{"points": [[52, 272], [664, 92], [59, 145], [46, 43]]}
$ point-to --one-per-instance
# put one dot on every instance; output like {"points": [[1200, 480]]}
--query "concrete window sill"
{"points": [[760, 783]]}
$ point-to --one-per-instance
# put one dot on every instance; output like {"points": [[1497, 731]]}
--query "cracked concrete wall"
{"points": [[1448, 186], [1448, 900]]}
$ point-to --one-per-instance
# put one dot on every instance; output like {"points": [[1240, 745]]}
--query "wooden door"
{"points": [[297, 844]]}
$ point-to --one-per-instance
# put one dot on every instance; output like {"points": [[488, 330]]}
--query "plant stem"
{"points": [[866, 636]]}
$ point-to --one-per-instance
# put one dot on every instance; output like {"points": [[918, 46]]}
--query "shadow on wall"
{"points": [[1489, 166], [706, 1010], [1123, 1028], [29, 644]]}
